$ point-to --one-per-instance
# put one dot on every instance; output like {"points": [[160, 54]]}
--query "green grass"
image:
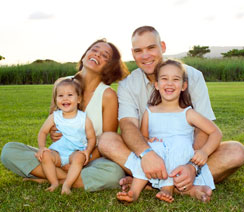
{"points": [[24, 108]]}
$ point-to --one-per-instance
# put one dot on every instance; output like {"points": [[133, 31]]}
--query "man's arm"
{"points": [[152, 165]]}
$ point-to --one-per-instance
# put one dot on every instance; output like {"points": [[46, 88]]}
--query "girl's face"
{"points": [[98, 56], [67, 98], [170, 82]]}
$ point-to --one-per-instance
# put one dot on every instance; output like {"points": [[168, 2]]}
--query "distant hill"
{"points": [[215, 52]]}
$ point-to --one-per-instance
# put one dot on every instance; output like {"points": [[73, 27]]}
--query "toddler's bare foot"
{"points": [[125, 183], [126, 196], [166, 194], [52, 187], [202, 193], [65, 189], [37, 180]]}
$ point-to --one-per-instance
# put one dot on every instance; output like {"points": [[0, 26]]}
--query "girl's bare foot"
{"points": [[37, 180], [65, 189], [202, 193], [52, 187], [126, 196], [166, 194]]}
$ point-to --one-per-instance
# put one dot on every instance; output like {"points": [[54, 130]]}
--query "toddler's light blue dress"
{"points": [[176, 148], [74, 136]]}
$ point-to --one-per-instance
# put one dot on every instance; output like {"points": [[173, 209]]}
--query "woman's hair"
{"points": [[185, 98], [114, 70], [76, 82]]}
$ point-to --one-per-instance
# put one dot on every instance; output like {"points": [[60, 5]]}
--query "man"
{"points": [[133, 94]]}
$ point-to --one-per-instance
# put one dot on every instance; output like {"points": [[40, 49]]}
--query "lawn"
{"points": [[24, 108]]}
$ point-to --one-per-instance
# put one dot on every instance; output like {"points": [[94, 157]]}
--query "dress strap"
{"points": [[186, 109]]}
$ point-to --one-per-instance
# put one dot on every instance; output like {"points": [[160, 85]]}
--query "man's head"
{"points": [[147, 49]]}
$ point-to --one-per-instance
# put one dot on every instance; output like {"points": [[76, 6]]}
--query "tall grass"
{"points": [[226, 69]]}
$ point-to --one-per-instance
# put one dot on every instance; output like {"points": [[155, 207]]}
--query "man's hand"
{"points": [[54, 134], [184, 177], [153, 166]]}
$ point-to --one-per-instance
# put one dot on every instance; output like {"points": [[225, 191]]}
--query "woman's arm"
{"points": [[110, 110]]}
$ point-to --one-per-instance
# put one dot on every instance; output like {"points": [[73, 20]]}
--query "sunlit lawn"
{"points": [[23, 109]]}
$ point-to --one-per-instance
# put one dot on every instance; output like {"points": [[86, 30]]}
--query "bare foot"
{"points": [[126, 182], [37, 180], [202, 193], [166, 194], [126, 196], [65, 189], [52, 187]]}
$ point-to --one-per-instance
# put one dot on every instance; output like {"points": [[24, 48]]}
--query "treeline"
{"points": [[226, 69]]}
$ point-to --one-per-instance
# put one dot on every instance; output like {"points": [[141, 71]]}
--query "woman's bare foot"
{"points": [[52, 187], [37, 180], [127, 196], [202, 193], [166, 194], [65, 189]]}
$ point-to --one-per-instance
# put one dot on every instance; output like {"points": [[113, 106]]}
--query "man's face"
{"points": [[147, 51]]}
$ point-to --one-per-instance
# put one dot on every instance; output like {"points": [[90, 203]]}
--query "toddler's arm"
{"points": [[91, 139], [42, 135], [214, 136]]}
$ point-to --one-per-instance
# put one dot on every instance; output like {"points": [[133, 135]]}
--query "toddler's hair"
{"points": [[185, 98], [76, 82]]}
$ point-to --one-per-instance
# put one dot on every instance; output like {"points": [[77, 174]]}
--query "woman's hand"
{"points": [[54, 134]]}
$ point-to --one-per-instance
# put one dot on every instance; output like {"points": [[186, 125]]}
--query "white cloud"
{"points": [[40, 15]]}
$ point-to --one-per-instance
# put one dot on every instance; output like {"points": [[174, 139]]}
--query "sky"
{"points": [[62, 30]]}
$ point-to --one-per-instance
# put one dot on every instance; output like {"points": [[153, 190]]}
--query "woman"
{"points": [[99, 66]]}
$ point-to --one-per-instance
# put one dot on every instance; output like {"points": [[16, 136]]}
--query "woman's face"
{"points": [[98, 56]]}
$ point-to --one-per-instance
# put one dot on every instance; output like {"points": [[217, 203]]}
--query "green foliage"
{"points": [[198, 51], [2, 58], [131, 65], [234, 53], [227, 69], [23, 110]]}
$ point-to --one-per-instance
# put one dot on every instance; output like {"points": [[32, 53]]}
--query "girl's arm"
{"points": [[207, 126], [110, 110]]}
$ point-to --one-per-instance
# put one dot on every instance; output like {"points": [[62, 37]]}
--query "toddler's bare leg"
{"points": [[48, 163], [134, 192], [166, 194], [77, 160]]}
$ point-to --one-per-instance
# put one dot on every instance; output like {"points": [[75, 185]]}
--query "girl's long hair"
{"points": [[185, 98]]}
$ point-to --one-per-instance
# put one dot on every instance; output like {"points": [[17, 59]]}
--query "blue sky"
{"points": [[62, 30]]}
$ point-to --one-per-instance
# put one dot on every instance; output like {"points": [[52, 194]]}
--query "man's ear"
{"points": [[163, 46]]}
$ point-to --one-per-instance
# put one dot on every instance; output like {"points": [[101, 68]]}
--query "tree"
{"points": [[234, 53], [198, 51], [2, 58]]}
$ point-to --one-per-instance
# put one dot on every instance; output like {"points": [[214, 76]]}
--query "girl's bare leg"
{"points": [[77, 160], [134, 192], [49, 162], [166, 194]]}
